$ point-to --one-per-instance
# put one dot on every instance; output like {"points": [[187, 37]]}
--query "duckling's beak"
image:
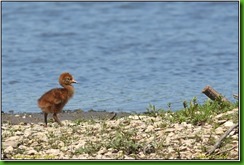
{"points": [[73, 81]]}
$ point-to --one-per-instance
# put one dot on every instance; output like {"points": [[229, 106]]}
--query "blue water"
{"points": [[124, 55]]}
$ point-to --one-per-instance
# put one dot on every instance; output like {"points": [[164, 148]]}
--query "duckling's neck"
{"points": [[70, 89]]}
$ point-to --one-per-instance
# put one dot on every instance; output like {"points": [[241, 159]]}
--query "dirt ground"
{"points": [[65, 115]]}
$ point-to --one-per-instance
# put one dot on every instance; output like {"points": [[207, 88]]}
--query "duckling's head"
{"points": [[66, 79]]}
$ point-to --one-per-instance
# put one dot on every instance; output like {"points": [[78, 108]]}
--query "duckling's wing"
{"points": [[52, 97]]}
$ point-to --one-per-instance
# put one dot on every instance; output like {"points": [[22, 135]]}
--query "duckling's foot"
{"points": [[55, 117]]}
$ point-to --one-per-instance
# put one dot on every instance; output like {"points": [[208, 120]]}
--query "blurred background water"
{"points": [[124, 55]]}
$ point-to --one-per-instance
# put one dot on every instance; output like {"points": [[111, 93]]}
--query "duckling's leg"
{"points": [[55, 117], [45, 118]]}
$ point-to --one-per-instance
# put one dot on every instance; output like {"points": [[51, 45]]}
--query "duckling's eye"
{"points": [[67, 79]]}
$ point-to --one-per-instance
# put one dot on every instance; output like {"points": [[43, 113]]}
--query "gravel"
{"points": [[126, 137]]}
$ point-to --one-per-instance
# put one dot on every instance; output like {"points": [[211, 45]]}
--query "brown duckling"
{"points": [[55, 99]]}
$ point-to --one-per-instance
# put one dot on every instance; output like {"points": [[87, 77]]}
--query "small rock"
{"points": [[41, 136], [228, 124], [19, 133], [98, 156], [219, 131], [102, 151], [221, 121], [134, 117], [16, 127], [53, 151], [171, 134], [183, 148], [34, 144], [22, 147], [234, 136], [149, 128], [61, 144], [9, 149], [188, 142], [142, 155], [218, 116], [27, 133], [23, 123], [150, 139], [13, 138], [149, 149], [32, 152], [169, 130], [12, 141]]}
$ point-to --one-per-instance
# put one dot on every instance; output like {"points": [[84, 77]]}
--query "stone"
{"points": [[218, 116], [31, 152], [34, 144], [12, 141], [149, 128], [27, 132], [235, 136], [169, 130], [219, 131], [41, 136], [9, 149], [150, 139], [158, 138], [188, 142], [19, 133], [98, 156], [61, 144], [171, 134], [228, 124], [22, 147], [183, 148], [149, 149], [53, 152], [221, 121], [102, 151], [135, 117]]}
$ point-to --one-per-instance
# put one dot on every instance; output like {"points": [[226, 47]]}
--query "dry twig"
{"points": [[217, 144]]}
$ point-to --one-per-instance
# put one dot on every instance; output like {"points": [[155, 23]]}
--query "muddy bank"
{"points": [[65, 115]]}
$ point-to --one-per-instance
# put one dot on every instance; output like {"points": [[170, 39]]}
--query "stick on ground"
{"points": [[213, 94], [217, 144]]}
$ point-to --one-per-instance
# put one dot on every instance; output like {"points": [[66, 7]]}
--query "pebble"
{"points": [[219, 131], [31, 152], [221, 121], [12, 141], [146, 137], [149, 128], [18, 133], [40, 136], [9, 149], [53, 152], [228, 124], [168, 130]]}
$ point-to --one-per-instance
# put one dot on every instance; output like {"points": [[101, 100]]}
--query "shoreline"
{"points": [[199, 131], [37, 118]]}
